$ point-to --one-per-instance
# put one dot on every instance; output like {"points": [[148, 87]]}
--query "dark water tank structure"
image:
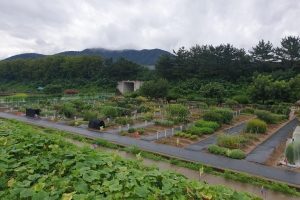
{"points": [[31, 112], [96, 124]]}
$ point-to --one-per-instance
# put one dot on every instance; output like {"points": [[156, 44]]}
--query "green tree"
{"points": [[213, 90], [261, 88], [280, 91], [53, 89], [289, 50], [263, 52], [155, 90], [294, 84]]}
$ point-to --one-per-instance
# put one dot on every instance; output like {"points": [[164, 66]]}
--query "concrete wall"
{"points": [[129, 86]]}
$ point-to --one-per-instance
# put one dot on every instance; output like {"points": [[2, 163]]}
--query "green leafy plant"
{"points": [[208, 124], [256, 126]]}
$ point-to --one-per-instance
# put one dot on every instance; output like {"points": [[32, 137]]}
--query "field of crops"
{"points": [[34, 165]]}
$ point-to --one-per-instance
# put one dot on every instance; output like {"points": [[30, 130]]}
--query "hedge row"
{"points": [[268, 117], [207, 124], [235, 153]]}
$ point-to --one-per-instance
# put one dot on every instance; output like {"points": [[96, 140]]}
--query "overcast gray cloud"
{"points": [[49, 27]]}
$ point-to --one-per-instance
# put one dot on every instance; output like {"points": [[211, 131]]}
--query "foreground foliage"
{"points": [[39, 166]]}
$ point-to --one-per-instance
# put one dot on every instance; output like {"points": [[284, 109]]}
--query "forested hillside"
{"points": [[145, 57], [188, 70]]}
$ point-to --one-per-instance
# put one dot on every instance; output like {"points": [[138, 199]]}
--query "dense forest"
{"points": [[187, 70]]}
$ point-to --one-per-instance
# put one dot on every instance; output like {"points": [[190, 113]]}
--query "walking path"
{"points": [[214, 160], [201, 145], [263, 151]]}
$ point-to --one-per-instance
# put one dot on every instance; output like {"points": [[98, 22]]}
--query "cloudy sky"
{"points": [[52, 26]]}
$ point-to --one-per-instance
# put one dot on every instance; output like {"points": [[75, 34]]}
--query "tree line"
{"points": [[187, 70]]}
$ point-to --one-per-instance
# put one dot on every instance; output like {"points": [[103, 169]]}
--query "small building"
{"points": [[129, 86]]}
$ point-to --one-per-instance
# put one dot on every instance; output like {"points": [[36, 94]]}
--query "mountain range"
{"points": [[145, 57]]}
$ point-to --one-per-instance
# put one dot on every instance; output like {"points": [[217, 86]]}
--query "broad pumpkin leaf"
{"points": [[141, 191], [80, 186], [11, 182], [68, 196], [40, 195], [26, 193], [33, 177]]}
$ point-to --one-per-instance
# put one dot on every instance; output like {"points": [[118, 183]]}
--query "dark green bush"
{"points": [[227, 114], [163, 123], [232, 103], [193, 137], [202, 105], [248, 110], [143, 109], [237, 154], [123, 120], [88, 115], [206, 130], [269, 117], [68, 109], [214, 149], [181, 134], [241, 99], [213, 116], [131, 130], [176, 133], [256, 126], [208, 124], [195, 130], [123, 111], [109, 111]]}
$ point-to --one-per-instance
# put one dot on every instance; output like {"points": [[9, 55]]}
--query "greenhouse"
{"points": [[292, 150]]}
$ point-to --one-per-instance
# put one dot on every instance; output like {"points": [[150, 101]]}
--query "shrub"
{"points": [[163, 123], [187, 135], [214, 117], [88, 115], [68, 109], [202, 105], [241, 99], [214, 149], [206, 130], [181, 134], [193, 137], [289, 153], [176, 133], [256, 125], [248, 110], [181, 100], [232, 103], [71, 92], [195, 130], [227, 114], [140, 99], [123, 111], [123, 120], [269, 117], [79, 104], [143, 109], [208, 124], [237, 154], [109, 111], [140, 131], [149, 116], [229, 141], [177, 112], [131, 130]]}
